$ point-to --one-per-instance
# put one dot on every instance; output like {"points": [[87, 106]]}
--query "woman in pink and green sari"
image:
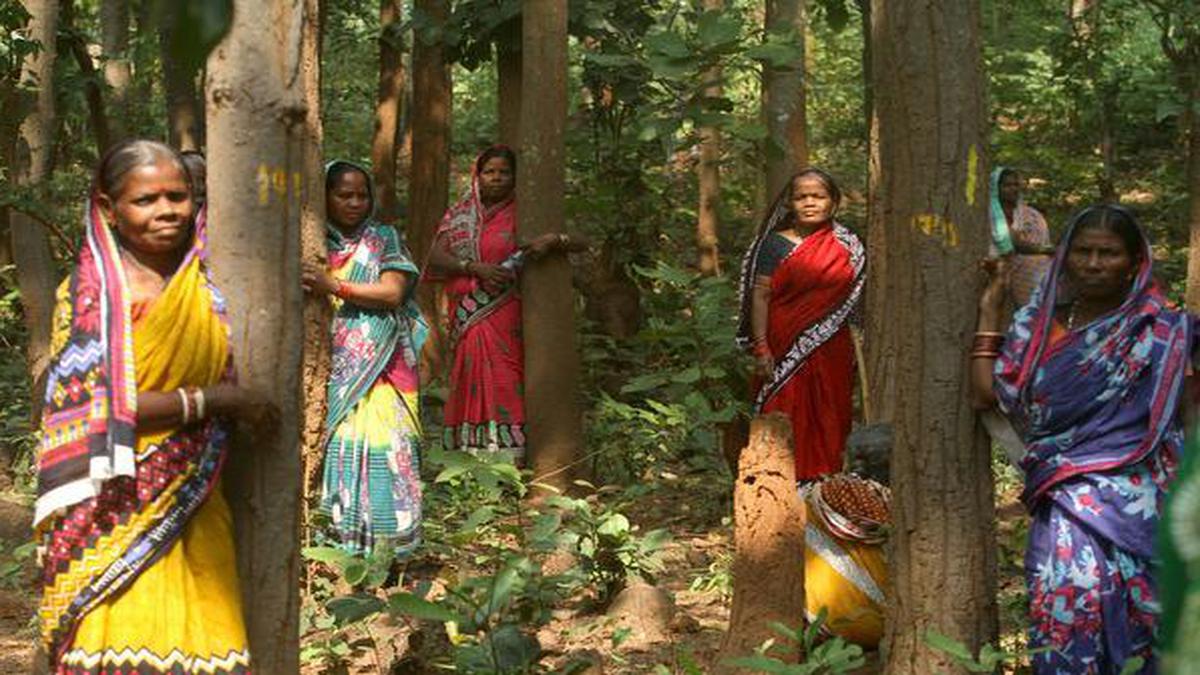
{"points": [[477, 256]]}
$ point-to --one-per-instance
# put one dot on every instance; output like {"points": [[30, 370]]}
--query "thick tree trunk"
{"points": [[262, 186], [783, 100], [114, 53], [709, 178], [928, 233], [429, 185], [551, 362], [36, 273], [387, 109], [768, 532], [185, 114], [509, 70]]}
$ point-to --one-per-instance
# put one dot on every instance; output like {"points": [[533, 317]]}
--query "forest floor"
{"points": [[695, 575]]}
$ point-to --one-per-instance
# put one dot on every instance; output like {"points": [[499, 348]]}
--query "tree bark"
{"points": [[552, 419], [429, 185], [509, 70], [1193, 181], [928, 233], [317, 310], [388, 110], [262, 187], [36, 273], [185, 114], [783, 100], [93, 92], [768, 533], [114, 51], [709, 170]]}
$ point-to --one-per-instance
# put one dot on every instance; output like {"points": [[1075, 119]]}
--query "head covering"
{"points": [[460, 227], [89, 422], [1074, 403], [1001, 236]]}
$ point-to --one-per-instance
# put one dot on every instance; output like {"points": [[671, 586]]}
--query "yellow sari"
{"points": [[165, 535]]}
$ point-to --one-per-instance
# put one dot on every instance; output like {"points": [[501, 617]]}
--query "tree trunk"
{"points": [[114, 50], [508, 79], [552, 419], [783, 100], [185, 114], [317, 310], [429, 186], [768, 533], [36, 273], [709, 170], [93, 92], [928, 233], [262, 186], [387, 109], [1191, 123]]}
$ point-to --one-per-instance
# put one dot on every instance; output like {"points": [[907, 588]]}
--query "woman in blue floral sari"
{"points": [[371, 487], [1091, 374]]}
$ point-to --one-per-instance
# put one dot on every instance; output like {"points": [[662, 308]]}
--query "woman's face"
{"points": [[1010, 188], [1099, 265], [349, 202], [152, 212], [496, 180], [811, 202]]}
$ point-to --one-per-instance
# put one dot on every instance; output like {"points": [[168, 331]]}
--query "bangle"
{"points": [[342, 289], [198, 393], [464, 266], [988, 333], [187, 409], [760, 348], [985, 355], [563, 240]]}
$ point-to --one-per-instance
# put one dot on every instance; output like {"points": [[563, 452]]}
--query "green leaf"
{"points": [[716, 29], [614, 525], [1133, 666], [762, 664], [690, 375], [326, 554], [407, 604], [354, 570], [948, 645], [478, 517], [668, 44], [353, 608], [503, 584]]}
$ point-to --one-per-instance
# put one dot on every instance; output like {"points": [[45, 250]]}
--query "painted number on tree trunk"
{"points": [[273, 185], [937, 227]]}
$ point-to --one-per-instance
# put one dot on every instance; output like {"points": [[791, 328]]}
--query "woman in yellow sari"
{"points": [[139, 571]]}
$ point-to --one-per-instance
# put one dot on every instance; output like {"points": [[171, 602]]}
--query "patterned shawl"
{"points": [[819, 332], [365, 340], [89, 420], [1103, 397]]}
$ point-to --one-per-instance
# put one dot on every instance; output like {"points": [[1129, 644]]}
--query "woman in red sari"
{"points": [[801, 279], [477, 255]]}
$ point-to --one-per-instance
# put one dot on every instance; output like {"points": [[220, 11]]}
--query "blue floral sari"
{"points": [[1097, 408]]}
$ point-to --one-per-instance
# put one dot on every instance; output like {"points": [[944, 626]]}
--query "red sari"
{"points": [[813, 291], [485, 412]]}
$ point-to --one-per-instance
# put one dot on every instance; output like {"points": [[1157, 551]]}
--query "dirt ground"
{"points": [[690, 507]]}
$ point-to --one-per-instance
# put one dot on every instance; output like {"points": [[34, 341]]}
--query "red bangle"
{"points": [[340, 289], [761, 349]]}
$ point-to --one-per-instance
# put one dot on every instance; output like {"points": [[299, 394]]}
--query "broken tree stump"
{"points": [[768, 534]]}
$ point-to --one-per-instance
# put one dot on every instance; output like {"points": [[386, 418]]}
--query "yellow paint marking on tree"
{"points": [[972, 173], [937, 227], [273, 181]]}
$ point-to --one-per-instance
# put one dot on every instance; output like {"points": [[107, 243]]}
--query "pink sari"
{"points": [[485, 412]]}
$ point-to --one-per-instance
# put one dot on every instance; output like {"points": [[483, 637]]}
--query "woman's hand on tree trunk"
{"points": [[314, 278]]}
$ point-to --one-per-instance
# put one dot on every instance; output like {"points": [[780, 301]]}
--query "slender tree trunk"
{"points": [[185, 114], [1191, 122], [709, 170], [552, 419], [114, 50], [36, 273], [262, 187], [387, 109], [509, 70], [928, 233], [429, 186], [93, 91], [783, 100], [317, 310]]}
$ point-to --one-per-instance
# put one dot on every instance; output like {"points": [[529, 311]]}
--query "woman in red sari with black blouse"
{"points": [[801, 280]]}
